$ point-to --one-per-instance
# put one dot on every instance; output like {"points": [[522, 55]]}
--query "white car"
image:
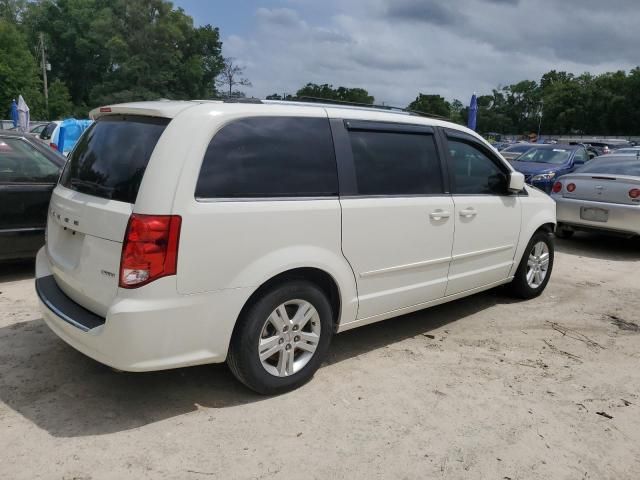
{"points": [[185, 233]]}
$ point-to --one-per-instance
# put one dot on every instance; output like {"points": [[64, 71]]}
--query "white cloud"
{"points": [[398, 48]]}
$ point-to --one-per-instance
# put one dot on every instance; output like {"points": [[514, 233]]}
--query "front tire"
{"points": [[282, 338], [535, 268]]}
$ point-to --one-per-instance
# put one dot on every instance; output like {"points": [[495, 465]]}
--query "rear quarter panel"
{"points": [[240, 244]]}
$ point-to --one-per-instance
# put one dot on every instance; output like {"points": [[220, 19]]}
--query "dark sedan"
{"points": [[28, 172]]}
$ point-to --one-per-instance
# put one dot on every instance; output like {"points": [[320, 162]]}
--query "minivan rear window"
{"points": [[110, 158]]}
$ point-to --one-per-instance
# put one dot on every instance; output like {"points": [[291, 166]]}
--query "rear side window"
{"points": [[391, 163], [110, 158], [270, 157]]}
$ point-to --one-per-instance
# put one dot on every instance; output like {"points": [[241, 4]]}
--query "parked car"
{"points": [[37, 129], [542, 164], [603, 196], [499, 146], [515, 150], [185, 233], [628, 151], [72, 129], [28, 173], [47, 132]]}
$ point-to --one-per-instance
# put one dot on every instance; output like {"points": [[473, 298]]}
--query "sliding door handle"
{"points": [[439, 214], [468, 212]]}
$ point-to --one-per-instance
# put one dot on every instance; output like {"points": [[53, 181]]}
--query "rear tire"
{"points": [[535, 268], [563, 232], [282, 338]]}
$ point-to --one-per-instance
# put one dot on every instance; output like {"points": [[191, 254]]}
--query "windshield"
{"points": [[554, 156], [518, 148], [622, 166]]}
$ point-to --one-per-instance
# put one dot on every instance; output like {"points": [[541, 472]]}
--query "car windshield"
{"points": [[518, 148], [614, 166], [555, 156]]}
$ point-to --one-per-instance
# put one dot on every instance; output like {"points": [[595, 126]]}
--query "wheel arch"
{"points": [[321, 278]]}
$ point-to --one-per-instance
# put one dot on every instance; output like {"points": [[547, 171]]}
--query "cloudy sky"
{"points": [[397, 48]]}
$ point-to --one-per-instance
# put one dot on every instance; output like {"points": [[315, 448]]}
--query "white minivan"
{"points": [[193, 232]]}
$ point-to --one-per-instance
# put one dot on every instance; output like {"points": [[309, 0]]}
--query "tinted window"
{"points": [[270, 157], [22, 163], [581, 156], [110, 158], [613, 166], [474, 172], [395, 163], [48, 131]]}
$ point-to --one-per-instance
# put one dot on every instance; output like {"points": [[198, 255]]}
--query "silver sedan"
{"points": [[603, 195]]}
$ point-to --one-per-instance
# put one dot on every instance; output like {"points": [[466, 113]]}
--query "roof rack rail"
{"points": [[368, 105], [241, 100]]}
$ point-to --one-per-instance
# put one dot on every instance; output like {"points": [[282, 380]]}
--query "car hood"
{"points": [[532, 168]]}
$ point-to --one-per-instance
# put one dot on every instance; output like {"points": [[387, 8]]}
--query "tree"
{"points": [[231, 76], [431, 104], [60, 105], [342, 94], [18, 71], [108, 51]]}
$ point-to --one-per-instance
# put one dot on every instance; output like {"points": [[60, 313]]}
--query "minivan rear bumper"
{"points": [[160, 331]]}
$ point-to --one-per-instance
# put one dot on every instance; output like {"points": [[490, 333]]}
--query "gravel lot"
{"points": [[484, 387]]}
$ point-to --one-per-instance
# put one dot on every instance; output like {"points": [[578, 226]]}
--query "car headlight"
{"points": [[543, 177]]}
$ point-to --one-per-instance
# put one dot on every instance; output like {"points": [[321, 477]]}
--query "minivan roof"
{"points": [[172, 108]]}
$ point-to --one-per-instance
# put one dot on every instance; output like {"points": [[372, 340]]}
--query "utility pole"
{"points": [[44, 73], [540, 118]]}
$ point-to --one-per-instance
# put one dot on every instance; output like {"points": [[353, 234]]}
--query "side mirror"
{"points": [[516, 182]]}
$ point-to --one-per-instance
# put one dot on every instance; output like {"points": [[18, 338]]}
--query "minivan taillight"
{"points": [[150, 249]]}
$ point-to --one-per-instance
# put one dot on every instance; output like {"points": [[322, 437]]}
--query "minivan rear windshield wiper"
{"points": [[91, 187]]}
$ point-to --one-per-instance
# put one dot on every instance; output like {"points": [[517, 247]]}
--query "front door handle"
{"points": [[439, 214], [468, 212]]}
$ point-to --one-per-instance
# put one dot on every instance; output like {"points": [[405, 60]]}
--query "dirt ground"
{"points": [[482, 388]]}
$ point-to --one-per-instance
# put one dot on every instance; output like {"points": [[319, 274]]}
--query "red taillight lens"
{"points": [[571, 187], [54, 146], [634, 193], [557, 187], [150, 249]]}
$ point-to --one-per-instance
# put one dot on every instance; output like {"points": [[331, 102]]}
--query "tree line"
{"points": [[104, 51], [560, 103], [110, 51]]}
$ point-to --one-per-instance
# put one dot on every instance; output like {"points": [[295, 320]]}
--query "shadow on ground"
{"points": [[70, 395], [16, 270], [603, 247]]}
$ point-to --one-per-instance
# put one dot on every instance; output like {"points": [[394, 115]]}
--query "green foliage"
{"points": [[343, 94], [431, 104], [108, 51], [562, 103], [18, 71], [60, 105]]}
